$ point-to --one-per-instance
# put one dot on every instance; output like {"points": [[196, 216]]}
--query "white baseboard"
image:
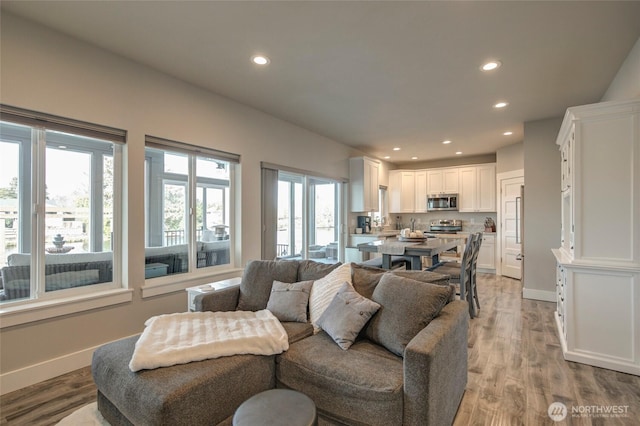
{"points": [[36, 373], [543, 295]]}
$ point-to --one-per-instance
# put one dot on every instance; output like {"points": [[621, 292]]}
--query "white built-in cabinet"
{"points": [[487, 253], [364, 178], [477, 188], [442, 181], [421, 191], [402, 191], [598, 261]]}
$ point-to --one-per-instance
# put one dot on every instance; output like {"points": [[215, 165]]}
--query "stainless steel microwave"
{"points": [[439, 202]]}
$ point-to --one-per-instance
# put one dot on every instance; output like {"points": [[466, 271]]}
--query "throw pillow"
{"points": [[366, 278], [288, 302], [311, 270], [323, 291], [407, 306], [257, 279], [345, 316]]}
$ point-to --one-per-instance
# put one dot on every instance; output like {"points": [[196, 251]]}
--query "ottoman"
{"points": [[198, 393], [277, 407]]}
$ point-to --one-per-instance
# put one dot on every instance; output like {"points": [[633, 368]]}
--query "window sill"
{"points": [[180, 282], [44, 309]]}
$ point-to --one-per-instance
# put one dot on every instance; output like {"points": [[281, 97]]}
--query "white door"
{"points": [[510, 242]]}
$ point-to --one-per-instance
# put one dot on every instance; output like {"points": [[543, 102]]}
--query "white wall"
{"points": [[541, 207], [510, 157], [626, 84], [46, 71]]}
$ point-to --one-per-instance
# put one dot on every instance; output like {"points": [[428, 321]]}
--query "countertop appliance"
{"points": [[439, 202], [445, 226], [364, 223]]}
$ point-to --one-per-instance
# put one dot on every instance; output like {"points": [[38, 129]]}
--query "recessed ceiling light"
{"points": [[260, 60], [458, 152], [446, 142], [396, 149], [501, 104], [386, 157], [414, 158], [507, 133], [491, 65]]}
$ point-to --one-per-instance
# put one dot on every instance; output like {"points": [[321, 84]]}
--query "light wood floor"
{"points": [[516, 370]]}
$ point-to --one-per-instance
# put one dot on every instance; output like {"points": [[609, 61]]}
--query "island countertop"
{"points": [[431, 247]]}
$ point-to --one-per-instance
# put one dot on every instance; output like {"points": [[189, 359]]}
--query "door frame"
{"points": [[499, 178]]}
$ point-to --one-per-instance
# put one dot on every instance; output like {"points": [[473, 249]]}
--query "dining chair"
{"points": [[474, 303], [460, 273]]}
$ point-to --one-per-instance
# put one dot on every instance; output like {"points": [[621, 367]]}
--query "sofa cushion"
{"points": [[289, 301], [407, 306], [363, 385], [310, 270], [345, 316], [366, 278], [323, 291], [297, 330], [257, 279], [198, 393]]}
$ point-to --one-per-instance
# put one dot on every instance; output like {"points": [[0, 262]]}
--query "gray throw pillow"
{"points": [[366, 278], [407, 306], [289, 301], [345, 316], [310, 270], [257, 279]]}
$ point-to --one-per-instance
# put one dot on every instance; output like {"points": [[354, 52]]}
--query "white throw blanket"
{"points": [[194, 336]]}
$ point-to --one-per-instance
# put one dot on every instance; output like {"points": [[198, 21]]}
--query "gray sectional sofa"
{"points": [[378, 380]]}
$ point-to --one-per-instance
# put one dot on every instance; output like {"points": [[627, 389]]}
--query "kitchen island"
{"points": [[431, 247]]}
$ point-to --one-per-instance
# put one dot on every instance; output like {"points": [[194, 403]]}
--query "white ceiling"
{"points": [[373, 75]]}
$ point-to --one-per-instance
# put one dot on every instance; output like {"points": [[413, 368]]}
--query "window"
{"points": [[301, 215], [188, 208], [59, 206]]}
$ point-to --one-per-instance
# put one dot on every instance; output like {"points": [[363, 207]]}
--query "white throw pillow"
{"points": [[324, 290]]}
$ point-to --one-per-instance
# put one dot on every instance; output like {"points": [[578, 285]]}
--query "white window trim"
{"points": [[168, 284], [64, 302], [37, 310], [179, 282]]}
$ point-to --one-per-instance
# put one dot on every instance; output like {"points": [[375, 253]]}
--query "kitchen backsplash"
{"points": [[471, 222]]}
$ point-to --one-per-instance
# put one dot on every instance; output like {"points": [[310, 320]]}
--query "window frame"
{"points": [[308, 181], [174, 282], [49, 131]]}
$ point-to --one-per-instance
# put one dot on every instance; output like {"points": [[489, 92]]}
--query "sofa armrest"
{"points": [[435, 368], [225, 299]]}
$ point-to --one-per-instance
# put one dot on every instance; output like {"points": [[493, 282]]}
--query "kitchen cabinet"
{"points": [[597, 266], [402, 191], [364, 178], [477, 188], [442, 181], [487, 255], [421, 191]]}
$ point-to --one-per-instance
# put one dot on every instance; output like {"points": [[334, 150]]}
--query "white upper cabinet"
{"points": [[600, 158], [421, 191], [442, 181], [402, 191], [477, 188], [364, 178]]}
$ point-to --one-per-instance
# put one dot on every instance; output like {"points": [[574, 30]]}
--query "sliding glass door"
{"points": [[307, 217]]}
